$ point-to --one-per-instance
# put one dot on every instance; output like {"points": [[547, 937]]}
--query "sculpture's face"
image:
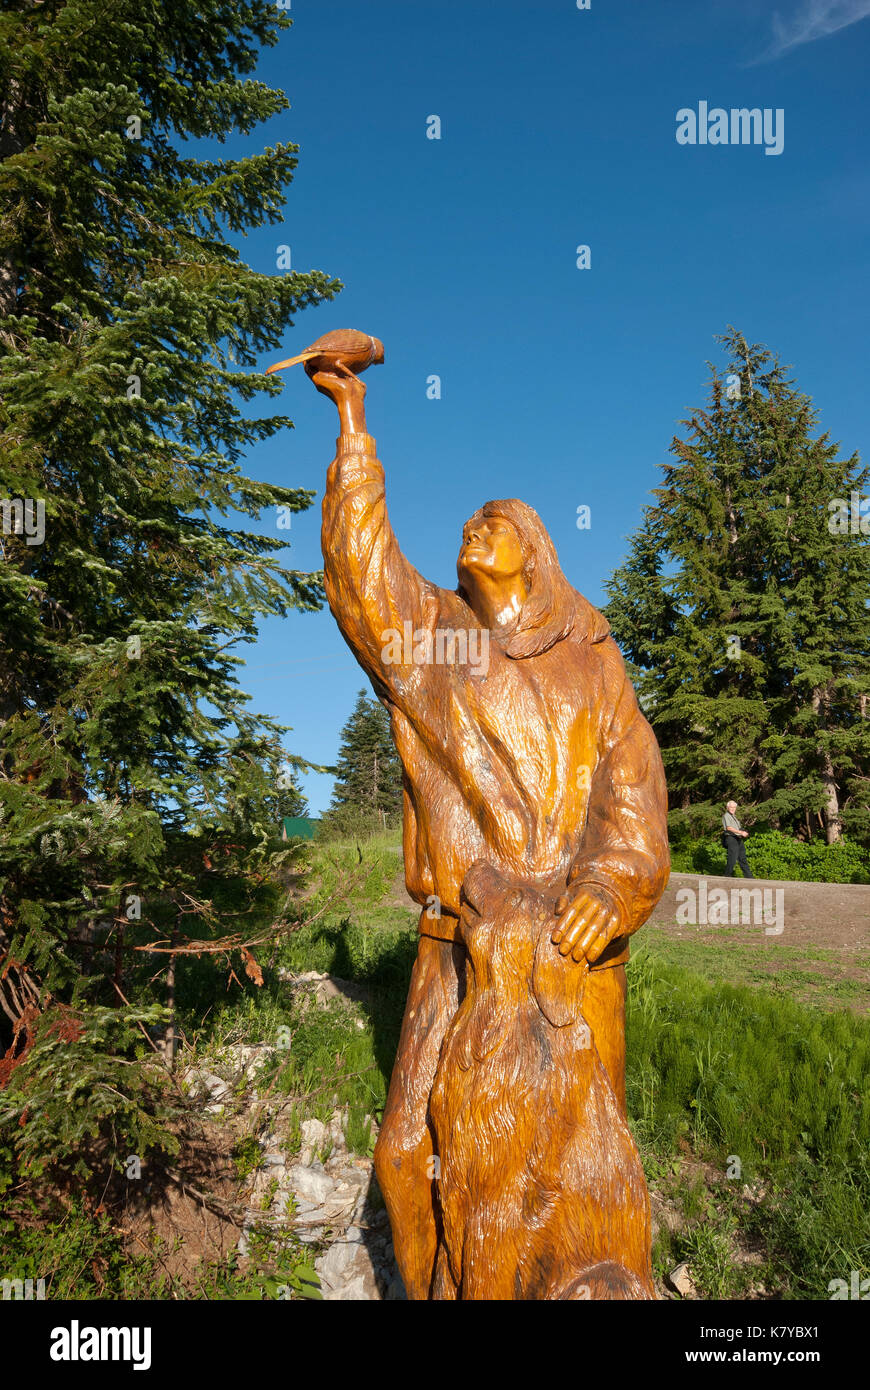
{"points": [[490, 547]]}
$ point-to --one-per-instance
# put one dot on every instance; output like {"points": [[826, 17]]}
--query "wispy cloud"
{"points": [[811, 20]]}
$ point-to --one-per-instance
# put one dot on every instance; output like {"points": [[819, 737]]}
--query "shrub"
{"points": [[774, 855]]}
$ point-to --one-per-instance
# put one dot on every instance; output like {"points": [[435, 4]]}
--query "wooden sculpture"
{"points": [[535, 840], [344, 350], [537, 1163]]}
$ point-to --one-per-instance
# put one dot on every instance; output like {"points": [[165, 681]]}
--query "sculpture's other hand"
{"points": [[588, 918]]}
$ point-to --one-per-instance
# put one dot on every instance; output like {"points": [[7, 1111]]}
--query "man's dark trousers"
{"points": [[736, 849]]}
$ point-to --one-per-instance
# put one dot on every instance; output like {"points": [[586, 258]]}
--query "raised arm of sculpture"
{"points": [[371, 587]]}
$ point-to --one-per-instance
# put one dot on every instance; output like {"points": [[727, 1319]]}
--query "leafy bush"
{"points": [[774, 855], [85, 1087]]}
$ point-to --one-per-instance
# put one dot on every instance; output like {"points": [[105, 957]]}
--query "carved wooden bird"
{"points": [[345, 350]]}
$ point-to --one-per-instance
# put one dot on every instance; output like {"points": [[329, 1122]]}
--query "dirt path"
{"points": [[829, 916]]}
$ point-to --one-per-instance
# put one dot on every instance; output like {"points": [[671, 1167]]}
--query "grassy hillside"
{"points": [[751, 1109]]}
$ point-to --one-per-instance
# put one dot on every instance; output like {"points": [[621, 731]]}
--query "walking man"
{"points": [[734, 841]]}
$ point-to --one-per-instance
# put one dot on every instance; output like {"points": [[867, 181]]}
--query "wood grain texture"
{"points": [[535, 817], [540, 1188], [345, 349]]}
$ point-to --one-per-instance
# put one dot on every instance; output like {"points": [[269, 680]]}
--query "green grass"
{"points": [[355, 877], [824, 978], [723, 1071], [724, 1063], [759, 1075], [82, 1256]]}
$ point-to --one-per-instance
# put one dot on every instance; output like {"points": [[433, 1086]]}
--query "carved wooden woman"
{"points": [[538, 764]]}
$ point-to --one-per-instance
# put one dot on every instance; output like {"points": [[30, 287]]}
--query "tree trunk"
{"points": [[120, 924], [832, 821], [19, 991], [169, 1039], [11, 142]]}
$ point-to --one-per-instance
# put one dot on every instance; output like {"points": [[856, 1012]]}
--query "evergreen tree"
{"points": [[132, 769], [368, 772], [291, 800], [743, 607], [642, 612]]}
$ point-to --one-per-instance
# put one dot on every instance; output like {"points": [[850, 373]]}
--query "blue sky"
{"points": [[559, 386]]}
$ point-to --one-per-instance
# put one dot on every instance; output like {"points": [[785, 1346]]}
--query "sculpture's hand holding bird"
{"points": [[333, 364]]}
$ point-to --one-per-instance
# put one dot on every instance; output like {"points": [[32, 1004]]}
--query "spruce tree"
{"points": [[368, 786], [746, 614], [137, 785]]}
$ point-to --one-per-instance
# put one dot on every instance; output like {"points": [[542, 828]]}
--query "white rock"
{"points": [[217, 1088], [192, 1082], [311, 1237], [357, 1291], [335, 1128], [680, 1280], [326, 987], [313, 1140], [313, 1184], [346, 1273], [248, 1060], [313, 1131], [337, 1260], [201, 1083]]}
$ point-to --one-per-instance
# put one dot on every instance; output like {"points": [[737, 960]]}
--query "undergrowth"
{"points": [[751, 1111]]}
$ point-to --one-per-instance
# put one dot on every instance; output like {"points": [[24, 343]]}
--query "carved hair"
{"points": [[553, 609]]}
